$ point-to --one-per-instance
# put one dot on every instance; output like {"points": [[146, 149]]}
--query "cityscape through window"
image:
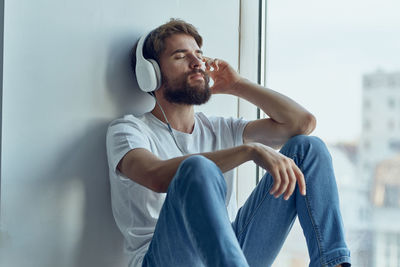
{"points": [[340, 60]]}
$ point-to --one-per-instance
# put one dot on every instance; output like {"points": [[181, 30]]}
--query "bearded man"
{"points": [[172, 184]]}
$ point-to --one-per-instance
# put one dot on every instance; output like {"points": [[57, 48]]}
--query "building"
{"points": [[379, 165], [380, 137], [386, 213]]}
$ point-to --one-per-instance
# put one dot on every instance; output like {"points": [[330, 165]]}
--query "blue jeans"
{"points": [[194, 229]]}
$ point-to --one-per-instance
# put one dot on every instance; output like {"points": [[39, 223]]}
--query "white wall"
{"points": [[66, 76]]}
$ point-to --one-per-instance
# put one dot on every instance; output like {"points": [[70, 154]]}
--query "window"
{"points": [[336, 62]]}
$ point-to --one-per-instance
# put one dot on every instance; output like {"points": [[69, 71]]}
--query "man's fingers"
{"points": [[292, 183], [300, 180], [284, 183], [285, 180], [215, 64], [211, 63], [286, 174], [207, 62], [277, 181]]}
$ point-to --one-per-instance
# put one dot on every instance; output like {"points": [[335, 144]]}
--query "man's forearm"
{"points": [[226, 160], [278, 107]]}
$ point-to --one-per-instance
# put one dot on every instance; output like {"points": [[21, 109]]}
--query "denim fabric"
{"points": [[194, 228]]}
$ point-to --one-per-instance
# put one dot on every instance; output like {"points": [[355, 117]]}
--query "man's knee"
{"points": [[198, 171], [196, 163], [313, 142], [303, 146]]}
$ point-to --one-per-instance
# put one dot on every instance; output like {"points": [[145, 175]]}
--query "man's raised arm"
{"points": [[286, 117]]}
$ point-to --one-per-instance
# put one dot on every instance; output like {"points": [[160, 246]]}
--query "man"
{"points": [[173, 192]]}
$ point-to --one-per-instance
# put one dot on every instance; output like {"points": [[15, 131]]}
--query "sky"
{"points": [[318, 51]]}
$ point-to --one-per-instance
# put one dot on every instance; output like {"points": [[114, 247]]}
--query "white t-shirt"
{"points": [[135, 207]]}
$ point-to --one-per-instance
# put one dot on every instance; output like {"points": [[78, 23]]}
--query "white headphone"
{"points": [[148, 73]]}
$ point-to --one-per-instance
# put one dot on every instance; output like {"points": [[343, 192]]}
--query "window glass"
{"points": [[340, 60]]}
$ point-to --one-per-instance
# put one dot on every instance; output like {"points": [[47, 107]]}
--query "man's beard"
{"points": [[179, 91]]}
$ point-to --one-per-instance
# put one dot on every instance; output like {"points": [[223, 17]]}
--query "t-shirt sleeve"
{"points": [[124, 135], [229, 129], [237, 125]]}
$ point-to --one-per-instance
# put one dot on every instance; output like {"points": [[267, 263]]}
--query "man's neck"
{"points": [[180, 117]]}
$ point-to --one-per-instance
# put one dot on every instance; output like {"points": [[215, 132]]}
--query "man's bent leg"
{"points": [[262, 224], [193, 228]]}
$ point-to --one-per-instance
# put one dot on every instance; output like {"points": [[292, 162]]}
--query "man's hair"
{"points": [[154, 44]]}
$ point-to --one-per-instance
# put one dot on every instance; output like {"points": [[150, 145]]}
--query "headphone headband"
{"points": [[140, 46]]}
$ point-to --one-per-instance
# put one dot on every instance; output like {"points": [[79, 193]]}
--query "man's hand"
{"points": [[283, 170], [223, 75]]}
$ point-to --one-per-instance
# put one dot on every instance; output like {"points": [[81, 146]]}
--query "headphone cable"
{"points": [[169, 126]]}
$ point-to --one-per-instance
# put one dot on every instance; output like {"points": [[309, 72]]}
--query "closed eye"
{"points": [[179, 55]]}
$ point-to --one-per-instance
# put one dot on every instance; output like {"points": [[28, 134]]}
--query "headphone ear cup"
{"points": [[146, 75], [157, 72]]}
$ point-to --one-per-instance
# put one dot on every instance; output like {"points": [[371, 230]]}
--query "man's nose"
{"points": [[196, 62]]}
